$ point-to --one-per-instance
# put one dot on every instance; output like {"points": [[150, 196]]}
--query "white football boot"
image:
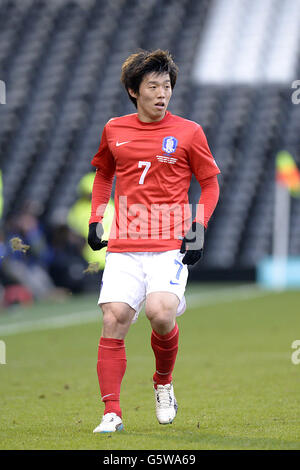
{"points": [[166, 404], [110, 423]]}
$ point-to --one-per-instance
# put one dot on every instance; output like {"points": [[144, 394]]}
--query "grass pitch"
{"points": [[234, 380]]}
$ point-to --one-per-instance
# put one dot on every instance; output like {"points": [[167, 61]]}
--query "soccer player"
{"points": [[153, 154]]}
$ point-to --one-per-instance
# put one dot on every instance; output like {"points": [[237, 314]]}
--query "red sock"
{"points": [[165, 349], [111, 368]]}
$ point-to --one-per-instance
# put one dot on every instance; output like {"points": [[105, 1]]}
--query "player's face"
{"points": [[153, 97]]}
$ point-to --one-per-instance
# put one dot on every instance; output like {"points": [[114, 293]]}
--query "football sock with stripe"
{"points": [[111, 368], [165, 349]]}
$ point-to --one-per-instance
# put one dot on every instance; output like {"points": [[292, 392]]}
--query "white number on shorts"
{"points": [[147, 166]]}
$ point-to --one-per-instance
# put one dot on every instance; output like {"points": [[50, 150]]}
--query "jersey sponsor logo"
{"points": [[166, 159], [122, 143], [169, 144]]}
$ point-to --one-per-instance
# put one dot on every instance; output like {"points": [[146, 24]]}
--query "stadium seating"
{"points": [[61, 63]]}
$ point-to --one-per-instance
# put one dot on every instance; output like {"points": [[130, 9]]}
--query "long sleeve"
{"points": [[208, 200], [104, 162], [202, 162], [100, 195]]}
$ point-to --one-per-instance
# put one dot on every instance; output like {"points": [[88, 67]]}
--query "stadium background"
{"points": [[60, 61]]}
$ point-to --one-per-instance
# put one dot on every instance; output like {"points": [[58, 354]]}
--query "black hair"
{"points": [[141, 63]]}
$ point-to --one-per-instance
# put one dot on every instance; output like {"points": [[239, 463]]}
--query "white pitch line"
{"points": [[90, 316], [226, 295], [50, 323]]}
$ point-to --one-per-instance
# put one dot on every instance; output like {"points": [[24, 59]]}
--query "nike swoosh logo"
{"points": [[174, 283], [122, 143]]}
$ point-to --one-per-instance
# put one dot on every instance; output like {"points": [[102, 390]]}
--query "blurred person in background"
{"points": [[67, 264], [31, 268]]}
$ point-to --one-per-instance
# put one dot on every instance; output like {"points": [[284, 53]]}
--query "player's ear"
{"points": [[132, 93]]}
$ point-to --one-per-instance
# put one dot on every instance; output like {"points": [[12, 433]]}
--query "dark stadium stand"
{"points": [[61, 63]]}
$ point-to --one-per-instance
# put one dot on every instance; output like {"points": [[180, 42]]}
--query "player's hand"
{"points": [[94, 237], [192, 244]]}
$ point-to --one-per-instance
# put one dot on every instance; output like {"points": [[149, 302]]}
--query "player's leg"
{"points": [[166, 278], [120, 297], [161, 309], [117, 318], [111, 364]]}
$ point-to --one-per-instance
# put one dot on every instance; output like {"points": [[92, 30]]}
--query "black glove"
{"points": [[94, 237], [195, 241]]}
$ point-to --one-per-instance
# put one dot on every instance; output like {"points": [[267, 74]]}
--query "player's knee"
{"points": [[161, 307], [160, 315], [114, 315]]}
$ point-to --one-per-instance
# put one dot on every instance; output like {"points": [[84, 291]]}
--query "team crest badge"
{"points": [[169, 144]]}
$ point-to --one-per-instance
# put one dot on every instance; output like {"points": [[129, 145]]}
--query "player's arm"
{"points": [[104, 162], [193, 242], [205, 169], [100, 197], [210, 192]]}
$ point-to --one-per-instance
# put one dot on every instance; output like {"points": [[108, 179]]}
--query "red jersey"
{"points": [[153, 163]]}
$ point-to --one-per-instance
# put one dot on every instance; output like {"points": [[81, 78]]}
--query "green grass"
{"points": [[234, 380]]}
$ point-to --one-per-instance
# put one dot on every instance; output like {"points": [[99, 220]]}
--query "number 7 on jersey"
{"points": [[147, 166]]}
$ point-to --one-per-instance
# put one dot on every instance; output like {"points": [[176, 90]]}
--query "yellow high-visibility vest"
{"points": [[78, 220], [79, 215]]}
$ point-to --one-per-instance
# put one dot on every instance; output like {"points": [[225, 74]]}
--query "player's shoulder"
{"points": [[121, 120], [187, 123]]}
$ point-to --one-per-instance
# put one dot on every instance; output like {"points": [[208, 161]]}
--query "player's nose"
{"points": [[161, 92]]}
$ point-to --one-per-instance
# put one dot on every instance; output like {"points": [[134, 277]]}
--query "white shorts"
{"points": [[129, 277]]}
